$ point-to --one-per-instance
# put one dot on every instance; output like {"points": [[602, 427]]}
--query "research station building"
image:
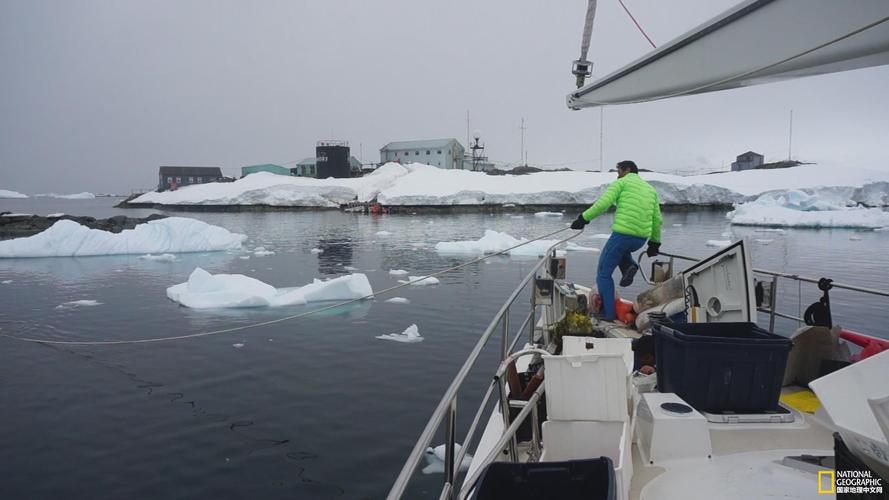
{"points": [[441, 153], [747, 161], [176, 177]]}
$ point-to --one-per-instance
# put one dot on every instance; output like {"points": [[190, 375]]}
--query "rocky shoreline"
{"points": [[18, 226]]}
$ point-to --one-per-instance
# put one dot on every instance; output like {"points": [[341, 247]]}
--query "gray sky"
{"points": [[95, 95]]}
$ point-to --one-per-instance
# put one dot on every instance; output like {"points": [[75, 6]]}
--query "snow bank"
{"points": [[493, 242], [205, 291], [75, 196], [825, 207], [67, 238], [417, 184], [11, 194], [410, 335]]}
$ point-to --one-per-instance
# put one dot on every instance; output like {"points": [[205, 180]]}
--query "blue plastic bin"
{"points": [[721, 366], [591, 479]]}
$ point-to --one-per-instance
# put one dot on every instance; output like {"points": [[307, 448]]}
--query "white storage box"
{"points": [[579, 440], [663, 436], [587, 387], [591, 345], [846, 395]]}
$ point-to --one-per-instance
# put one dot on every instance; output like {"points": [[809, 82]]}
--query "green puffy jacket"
{"points": [[638, 209]]}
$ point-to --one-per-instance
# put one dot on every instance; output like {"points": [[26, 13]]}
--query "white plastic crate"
{"points": [[591, 345], [587, 387], [580, 440]]}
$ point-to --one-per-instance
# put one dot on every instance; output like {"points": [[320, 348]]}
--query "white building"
{"points": [[442, 153]]}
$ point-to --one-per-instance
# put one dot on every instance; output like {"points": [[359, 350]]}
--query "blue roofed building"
{"points": [[441, 153]]}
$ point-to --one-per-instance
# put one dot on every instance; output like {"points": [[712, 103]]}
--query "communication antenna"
{"points": [[523, 155], [790, 139], [601, 138], [478, 152]]}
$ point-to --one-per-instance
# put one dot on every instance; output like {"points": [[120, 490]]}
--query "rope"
{"points": [[637, 24], [587, 29], [279, 320]]}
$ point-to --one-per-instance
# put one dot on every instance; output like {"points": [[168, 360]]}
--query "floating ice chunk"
{"points": [[718, 243], [262, 252], [383, 233], [238, 345], [494, 242], [244, 257], [763, 241], [5, 282], [67, 238], [316, 251], [517, 216], [600, 236], [398, 300], [430, 280], [398, 272], [410, 335], [770, 230], [854, 238], [164, 257], [435, 458], [677, 225], [11, 194], [78, 303], [350, 268], [508, 205], [795, 208], [204, 291], [548, 214], [574, 247]]}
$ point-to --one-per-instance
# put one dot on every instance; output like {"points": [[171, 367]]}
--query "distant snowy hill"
{"points": [[11, 194]]}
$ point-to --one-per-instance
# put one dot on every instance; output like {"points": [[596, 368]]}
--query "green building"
{"points": [[266, 167]]}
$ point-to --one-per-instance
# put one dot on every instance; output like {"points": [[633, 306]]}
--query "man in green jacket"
{"points": [[638, 218]]}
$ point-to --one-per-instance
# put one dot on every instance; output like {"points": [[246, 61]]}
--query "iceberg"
{"points": [[410, 335], [11, 194], [67, 238], [807, 209], [213, 291]]}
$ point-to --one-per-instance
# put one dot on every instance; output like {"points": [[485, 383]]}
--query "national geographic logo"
{"points": [[849, 481]]}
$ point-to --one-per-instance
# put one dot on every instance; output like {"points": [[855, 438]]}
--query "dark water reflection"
{"points": [[315, 408]]}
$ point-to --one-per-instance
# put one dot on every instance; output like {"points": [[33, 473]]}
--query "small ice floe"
{"points": [[881, 229], [547, 214], [78, 303], [244, 257], [600, 236], [350, 268], [435, 458], [410, 335], [5, 282], [398, 272], [422, 281], [677, 225], [718, 243], [726, 234], [164, 257], [763, 241], [854, 238], [316, 251], [508, 205], [398, 300], [383, 233], [770, 230], [262, 252], [238, 345]]}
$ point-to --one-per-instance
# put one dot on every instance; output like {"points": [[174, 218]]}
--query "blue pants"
{"points": [[617, 253]]}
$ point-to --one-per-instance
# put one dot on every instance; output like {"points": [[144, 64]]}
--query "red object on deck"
{"points": [[623, 309], [869, 345]]}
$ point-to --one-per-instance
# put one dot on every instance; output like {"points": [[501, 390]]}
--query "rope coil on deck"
{"points": [[279, 320]]}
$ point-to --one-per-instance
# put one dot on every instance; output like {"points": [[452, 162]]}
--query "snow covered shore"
{"points": [[815, 208], [422, 185]]}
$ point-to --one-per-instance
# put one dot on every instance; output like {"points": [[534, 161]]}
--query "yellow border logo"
{"points": [[831, 475]]}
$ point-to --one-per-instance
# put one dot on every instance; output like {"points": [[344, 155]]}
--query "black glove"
{"points": [[653, 248], [579, 223]]}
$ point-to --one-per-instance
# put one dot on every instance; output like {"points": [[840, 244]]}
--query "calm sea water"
{"points": [[314, 408]]}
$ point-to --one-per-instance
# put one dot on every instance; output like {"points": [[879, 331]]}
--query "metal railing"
{"points": [[447, 407], [771, 310]]}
